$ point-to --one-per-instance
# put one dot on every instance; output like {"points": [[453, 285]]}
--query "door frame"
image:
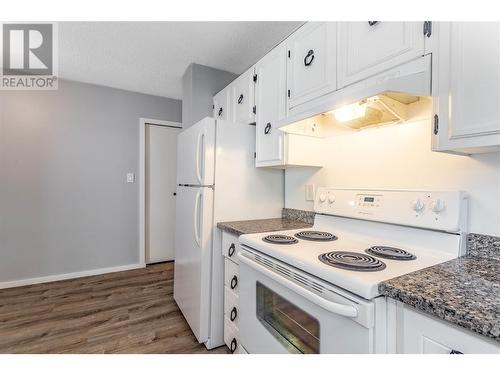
{"points": [[143, 122]]}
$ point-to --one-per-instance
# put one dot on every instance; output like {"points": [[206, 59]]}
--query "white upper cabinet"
{"points": [[270, 100], [242, 98], [311, 65], [466, 88], [222, 104], [368, 48]]}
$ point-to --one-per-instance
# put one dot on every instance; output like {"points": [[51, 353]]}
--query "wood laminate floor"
{"points": [[122, 312]]}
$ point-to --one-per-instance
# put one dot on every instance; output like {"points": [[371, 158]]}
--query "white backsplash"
{"points": [[399, 156]]}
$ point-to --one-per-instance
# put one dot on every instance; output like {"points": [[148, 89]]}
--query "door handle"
{"points": [[201, 136], [196, 219], [337, 308]]}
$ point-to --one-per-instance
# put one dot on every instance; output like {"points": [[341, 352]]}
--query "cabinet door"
{"points": [[242, 98], [222, 105], [311, 65], [468, 88], [423, 334], [368, 48], [270, 98]]}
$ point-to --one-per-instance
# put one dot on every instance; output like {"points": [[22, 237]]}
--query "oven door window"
{"points": [[294, 328]]}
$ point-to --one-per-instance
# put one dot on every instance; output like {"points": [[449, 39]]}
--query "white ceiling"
{"points": [[151, 57]]}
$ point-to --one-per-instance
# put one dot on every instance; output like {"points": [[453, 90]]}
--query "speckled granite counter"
{"points": [[265, 225], [463, 291]]}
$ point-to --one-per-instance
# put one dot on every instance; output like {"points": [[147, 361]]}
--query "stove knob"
{"points": [[322, 197], [417, 205], [437, 206], [331, 198]]}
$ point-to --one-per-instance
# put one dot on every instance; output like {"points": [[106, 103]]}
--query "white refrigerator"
{"points": [[217, 181]]}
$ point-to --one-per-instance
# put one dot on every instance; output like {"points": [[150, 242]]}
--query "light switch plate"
{"points": [[130, 178], [310, 192]]}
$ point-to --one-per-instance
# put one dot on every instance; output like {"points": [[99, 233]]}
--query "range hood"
{"points": [[386, 98], [385, 108]]}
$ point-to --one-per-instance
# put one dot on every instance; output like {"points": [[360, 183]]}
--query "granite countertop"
{"points": [[264, 225], [463, 291]]}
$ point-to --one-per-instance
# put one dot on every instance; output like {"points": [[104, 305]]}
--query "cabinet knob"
{"points": [[309, 57], [233, 346], [455, 352], [373, 23], [220, 111], [234, 314], [240, 99], [267, 129], [231, 250], [234, 282]]}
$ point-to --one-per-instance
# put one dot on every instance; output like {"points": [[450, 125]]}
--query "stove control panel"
{"points": [[369, 201], [439, 210]]}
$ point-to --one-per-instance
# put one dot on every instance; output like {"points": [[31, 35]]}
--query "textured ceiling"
{"points": [[151, 57]]}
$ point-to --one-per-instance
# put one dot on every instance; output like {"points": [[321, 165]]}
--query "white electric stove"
{"points": [[316, 290]]}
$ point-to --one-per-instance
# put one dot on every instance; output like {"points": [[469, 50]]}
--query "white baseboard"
{"points": [[66, 276]]}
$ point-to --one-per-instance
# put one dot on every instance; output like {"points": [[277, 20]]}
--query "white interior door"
{"points": [[161, 166]]}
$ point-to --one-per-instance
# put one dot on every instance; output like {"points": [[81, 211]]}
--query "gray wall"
{"points": [[65, 205], [199, 84]]}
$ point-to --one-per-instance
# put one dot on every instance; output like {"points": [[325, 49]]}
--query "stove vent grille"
{"points": [[289, 274]]}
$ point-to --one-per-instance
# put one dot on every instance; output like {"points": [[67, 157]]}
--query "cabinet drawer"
{"points": [[230, 246], [231, 306], [231, 335], [231, 275]]}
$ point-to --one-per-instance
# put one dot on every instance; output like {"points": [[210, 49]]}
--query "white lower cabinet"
{"points": [[231, 296], [420, 333], [466, 88]]}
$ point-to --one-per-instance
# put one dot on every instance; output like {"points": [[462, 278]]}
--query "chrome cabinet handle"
{"points": [[309, 58], [240, 99], [373, 23], [455, 352], [267, 129], [220, 111]]}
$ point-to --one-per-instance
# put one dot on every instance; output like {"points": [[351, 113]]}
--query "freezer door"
{"points": [[193, 252], [196, 153]]}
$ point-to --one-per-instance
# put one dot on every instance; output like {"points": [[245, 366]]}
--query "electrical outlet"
{"points": [[130, 178], [310, 192]]}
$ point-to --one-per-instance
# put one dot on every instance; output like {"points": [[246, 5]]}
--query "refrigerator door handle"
{"points": [[196, 218], [201, 137]]}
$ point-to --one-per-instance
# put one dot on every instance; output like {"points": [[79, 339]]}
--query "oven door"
{"points": [[279, 315]]}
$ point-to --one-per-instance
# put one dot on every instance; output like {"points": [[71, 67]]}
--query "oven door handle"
{"points": [[333, 307]]}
